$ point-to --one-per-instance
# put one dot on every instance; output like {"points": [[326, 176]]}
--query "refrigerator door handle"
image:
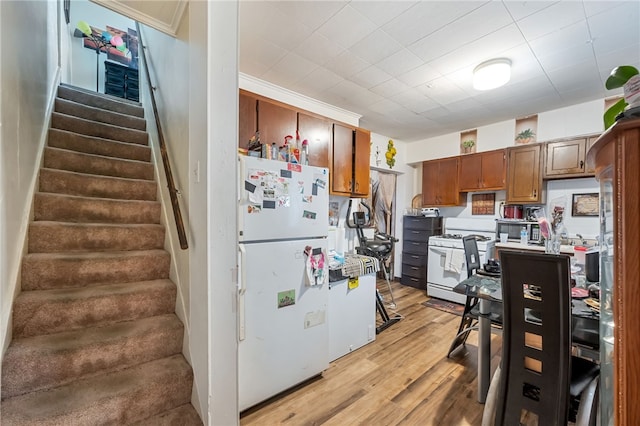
{"points": [[241, 292]]}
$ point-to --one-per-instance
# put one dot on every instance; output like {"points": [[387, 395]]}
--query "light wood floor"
{"points": [[403, 377]]}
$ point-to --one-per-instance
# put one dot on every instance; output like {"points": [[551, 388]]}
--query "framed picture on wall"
{"points": [[585, 204]]}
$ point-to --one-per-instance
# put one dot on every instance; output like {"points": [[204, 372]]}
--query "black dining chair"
{"points": [[538, 377], [469, 320]]}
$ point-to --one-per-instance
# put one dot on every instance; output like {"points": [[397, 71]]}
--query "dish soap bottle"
{"points": [[524, 237]]}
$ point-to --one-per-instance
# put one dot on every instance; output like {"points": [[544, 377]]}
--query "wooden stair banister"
{"points": [[173, 192]]}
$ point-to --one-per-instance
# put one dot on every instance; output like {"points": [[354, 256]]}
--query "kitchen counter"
{"points": [[564, 249]]}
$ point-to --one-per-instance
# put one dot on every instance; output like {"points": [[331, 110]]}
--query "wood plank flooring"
{"points": [[402, 378]]}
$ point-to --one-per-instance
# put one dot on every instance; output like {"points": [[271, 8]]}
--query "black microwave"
{"points": [[513, 227]]}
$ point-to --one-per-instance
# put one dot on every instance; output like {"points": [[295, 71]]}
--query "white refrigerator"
{"points": [[283, 284]]}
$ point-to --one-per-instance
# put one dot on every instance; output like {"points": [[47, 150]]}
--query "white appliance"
{"points": [[283, 332], [352, 315], [441, 276]]}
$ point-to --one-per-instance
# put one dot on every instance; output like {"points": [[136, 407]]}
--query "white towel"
{"points": [[454, 260]]}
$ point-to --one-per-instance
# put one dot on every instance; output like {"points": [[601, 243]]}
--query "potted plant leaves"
{"points": [[468, 145], [628, 78], [525, 136]]}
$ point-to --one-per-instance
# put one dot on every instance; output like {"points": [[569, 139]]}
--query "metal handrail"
{"points": [[173, 192]]}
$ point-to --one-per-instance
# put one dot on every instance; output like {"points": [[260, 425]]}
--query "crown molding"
{"points": [[270, 90], [170, 28]]}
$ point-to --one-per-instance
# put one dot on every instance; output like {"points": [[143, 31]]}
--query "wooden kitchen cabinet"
{"points": [[567, 158], [524, 182], [350, 171], [275, 121], [440, 182], [361, 168], [247, 118], [483, 171], [317, 131]]}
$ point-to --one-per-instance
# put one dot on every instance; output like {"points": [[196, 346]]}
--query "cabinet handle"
{"points": [[415, 232], [416, 257], [416, 244], [581, 164], [535, 193]]}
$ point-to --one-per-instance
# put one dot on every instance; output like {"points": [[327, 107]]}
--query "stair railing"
{"points": [[173, 192]]}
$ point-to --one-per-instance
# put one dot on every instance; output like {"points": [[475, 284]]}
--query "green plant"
{"points": [[525, 134], [618, 78], [469, 143]]}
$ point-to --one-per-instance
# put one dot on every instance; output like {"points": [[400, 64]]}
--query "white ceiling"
{"points": [[406, 66]]}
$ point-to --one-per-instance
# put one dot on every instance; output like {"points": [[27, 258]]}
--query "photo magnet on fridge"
{"points": [[249, 186]]}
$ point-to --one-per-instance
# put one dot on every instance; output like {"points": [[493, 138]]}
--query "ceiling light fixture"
{"points": [[492, 74]]}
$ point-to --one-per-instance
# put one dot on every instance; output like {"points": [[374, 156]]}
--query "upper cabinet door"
{"points": [[317, 132], [470, 176], [525, 181], [342, 168], [275, 122], [361, 170], [430, 173], [247, 118], [494, 169], [448, 192], [565, 157]]}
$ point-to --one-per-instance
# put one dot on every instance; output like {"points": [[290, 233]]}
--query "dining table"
{"points": [[487, 287]]}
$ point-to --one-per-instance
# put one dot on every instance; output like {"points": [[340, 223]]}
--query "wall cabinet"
{"points": [[567, 158], [416, 231], [483, 171], [341, 148], [247, 118], [317, 131], [440, 182], [524, 184], [349, 173], [275, 121]]}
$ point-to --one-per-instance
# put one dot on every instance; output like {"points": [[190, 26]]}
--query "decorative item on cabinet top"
{"points": [[628, 78], [524, 137]]}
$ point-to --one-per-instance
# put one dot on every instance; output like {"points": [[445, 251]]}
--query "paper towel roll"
{"points": [[340, 241]]}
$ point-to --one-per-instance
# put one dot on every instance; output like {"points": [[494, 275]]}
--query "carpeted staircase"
{"points": [[95, 337]]}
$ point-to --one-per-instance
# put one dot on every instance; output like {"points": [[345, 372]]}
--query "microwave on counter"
{"points": [[513, 228]]}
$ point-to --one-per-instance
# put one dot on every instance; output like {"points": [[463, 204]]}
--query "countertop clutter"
{"points": [[565, 249]]}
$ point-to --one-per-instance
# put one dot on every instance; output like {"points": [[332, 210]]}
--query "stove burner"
{"points": [[451, 236], [481, 237]]}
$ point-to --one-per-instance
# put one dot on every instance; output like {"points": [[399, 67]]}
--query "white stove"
{"points": [[446, 263]]}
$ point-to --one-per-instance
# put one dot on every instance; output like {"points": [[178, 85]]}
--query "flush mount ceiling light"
{"points": [[492, 74]]}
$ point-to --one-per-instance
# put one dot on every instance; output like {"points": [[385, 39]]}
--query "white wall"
{"points": [[576, 120], [28, 78], [219, 146], [82, 66], [172, 100]]}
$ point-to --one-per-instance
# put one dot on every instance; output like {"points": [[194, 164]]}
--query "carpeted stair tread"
{"points": [[54, 237], [53, 311], [185, 415], [100, 100], [73, 208], [115, 398], [79, 353], [69, 107], [101, 130], [87, 185], [56, 158], [99, 146], [42, 271]]}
